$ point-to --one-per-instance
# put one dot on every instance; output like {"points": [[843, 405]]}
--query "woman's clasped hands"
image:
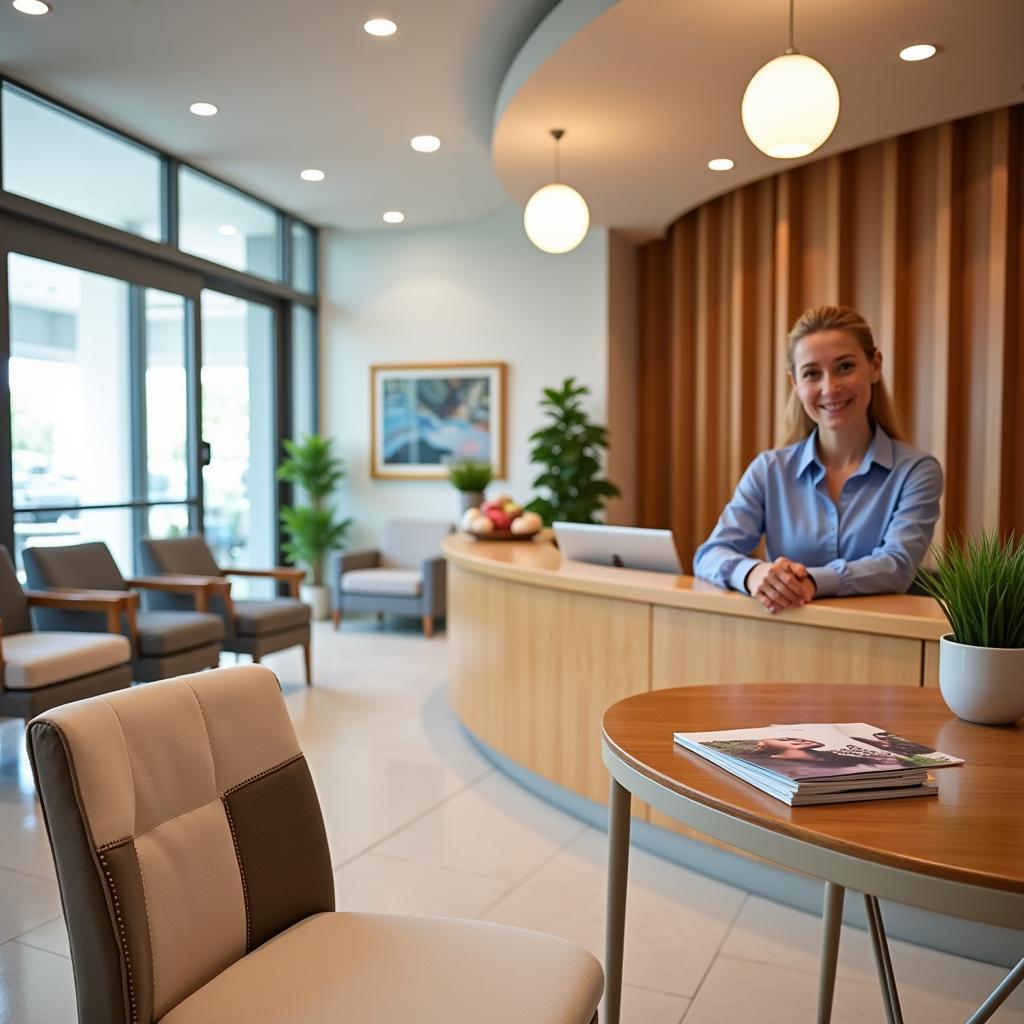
{"points": [[781, 584]]}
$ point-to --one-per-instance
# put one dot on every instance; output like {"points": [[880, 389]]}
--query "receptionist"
{"points": [[845, 507]]}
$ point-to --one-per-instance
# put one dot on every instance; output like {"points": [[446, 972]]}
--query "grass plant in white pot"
{"points": [[979, 584]]}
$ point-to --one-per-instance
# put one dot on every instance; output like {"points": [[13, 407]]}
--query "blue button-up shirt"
{"points": [[869, 542]]}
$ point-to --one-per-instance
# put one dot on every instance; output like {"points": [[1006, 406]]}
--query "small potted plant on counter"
{"points": [[469, 477], [979, 584], [311, 526]]}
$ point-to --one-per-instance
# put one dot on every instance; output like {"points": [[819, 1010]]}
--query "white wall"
{"points": [[471, 291]]}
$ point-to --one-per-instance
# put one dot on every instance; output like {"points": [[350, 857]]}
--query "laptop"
{"points": [[626, 547]]}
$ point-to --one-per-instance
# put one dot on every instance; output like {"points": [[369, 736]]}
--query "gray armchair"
{"points": [[255, 628], [164, 643], [39, 671], [405, 576]]}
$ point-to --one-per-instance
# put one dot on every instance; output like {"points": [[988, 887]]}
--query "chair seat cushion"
{"points": [[169, 632], [39, 659], [381, 968], [256, 618], [397, 582]]}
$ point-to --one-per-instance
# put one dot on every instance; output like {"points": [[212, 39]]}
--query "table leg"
{"points": [[619, 801], [832, 920], [998, 997], [883, 962]]}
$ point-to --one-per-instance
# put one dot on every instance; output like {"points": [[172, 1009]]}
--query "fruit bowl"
{"points": [[501, 518]]}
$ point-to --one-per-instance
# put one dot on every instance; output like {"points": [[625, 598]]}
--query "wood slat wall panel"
{"points": [[924, 235]]}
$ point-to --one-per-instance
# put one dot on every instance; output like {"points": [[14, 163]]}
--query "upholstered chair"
{"points": [[164, 643], [197, 885], [41, 670], [405, 576], [251, 627]]}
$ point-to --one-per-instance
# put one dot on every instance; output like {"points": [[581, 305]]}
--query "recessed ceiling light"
{"points": [[920, 51], [35, 7], [228, 230], [721, 163], [381, 27], [425, 143], [394, 217], [312, 174], [203, 109]]}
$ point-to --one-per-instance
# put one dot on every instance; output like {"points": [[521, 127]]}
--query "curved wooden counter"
{"points": [[539, 648]]}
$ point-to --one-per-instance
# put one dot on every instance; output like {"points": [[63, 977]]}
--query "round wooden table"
{"points": [[958, 853]]}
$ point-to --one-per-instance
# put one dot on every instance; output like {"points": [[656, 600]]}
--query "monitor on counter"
{"points": [[627, 547]]}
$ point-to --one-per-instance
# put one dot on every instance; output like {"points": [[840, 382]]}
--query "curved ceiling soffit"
{"points": [[648, 91]]}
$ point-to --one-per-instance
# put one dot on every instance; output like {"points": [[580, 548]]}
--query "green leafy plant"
{"points": [[569, 449], [470, 475], [312, 527], [979, 584]]}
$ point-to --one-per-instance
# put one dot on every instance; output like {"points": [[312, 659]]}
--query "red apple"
{"points": [[501, 519]]}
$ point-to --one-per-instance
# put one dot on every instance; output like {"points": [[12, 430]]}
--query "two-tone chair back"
{"points": [[185, 830], [178, 556]]}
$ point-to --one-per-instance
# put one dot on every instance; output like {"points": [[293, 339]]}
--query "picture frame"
{"points": [[424, 414]]}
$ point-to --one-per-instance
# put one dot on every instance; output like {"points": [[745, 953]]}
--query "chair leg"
{"points": [[309, 664], [428, 626], [336, 617], [255, 659]]}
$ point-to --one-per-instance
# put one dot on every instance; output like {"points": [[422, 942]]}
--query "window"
{"points": [[57, 158], [303, 372], [303, 241], [226, 226]]}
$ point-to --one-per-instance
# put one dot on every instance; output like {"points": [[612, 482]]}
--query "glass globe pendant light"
{"points": [[791, 105], [556, 218]]}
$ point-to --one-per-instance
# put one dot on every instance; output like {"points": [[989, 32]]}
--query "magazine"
{"points": [[822, 762]]}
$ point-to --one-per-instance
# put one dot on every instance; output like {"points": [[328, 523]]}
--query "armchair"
{"points": [[39, 671], [164, 643], [256, 628], [196, 880], [405, 576]]}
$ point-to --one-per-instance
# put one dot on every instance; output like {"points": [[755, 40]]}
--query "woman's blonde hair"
{"points": [[881, 410]]}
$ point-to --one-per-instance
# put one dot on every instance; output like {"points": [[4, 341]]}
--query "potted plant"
{"points": [[569, 450], [311, 525], [470, 477], [979, 584]]}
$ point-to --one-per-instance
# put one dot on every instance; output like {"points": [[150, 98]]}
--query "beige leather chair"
{"points": [[197, 885], [41, 670]]}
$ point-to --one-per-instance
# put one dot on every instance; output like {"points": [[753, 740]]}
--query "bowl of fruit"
{"points": [[501, 518]]}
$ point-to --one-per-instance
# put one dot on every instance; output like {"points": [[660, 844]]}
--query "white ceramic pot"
{"points": [[470, 499], [318, 597], [982, 684]]}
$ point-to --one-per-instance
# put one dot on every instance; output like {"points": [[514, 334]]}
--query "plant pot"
{"points": [[318, 597], [470, 499], [982, 684]]}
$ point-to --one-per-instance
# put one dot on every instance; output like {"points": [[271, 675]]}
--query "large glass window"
{"points": [[239, 426], [303, 249], [226, 226], [59, 159], [303, 371]]}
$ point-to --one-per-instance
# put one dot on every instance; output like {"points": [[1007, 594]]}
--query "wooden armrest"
{"points": [[197, 587], [286, 573], [112, 602]]}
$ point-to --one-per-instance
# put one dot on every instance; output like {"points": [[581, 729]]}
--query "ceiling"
{"points": [[297, 86], [648, 91]]}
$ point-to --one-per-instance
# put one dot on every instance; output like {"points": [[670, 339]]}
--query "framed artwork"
{"points": [[424, 414]]}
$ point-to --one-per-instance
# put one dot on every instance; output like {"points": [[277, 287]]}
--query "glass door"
{"points": [[238, 430]]}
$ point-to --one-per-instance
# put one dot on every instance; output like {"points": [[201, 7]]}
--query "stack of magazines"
{"points": [[820, 763]]}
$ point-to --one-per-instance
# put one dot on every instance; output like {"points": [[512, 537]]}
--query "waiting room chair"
{"points": [[251, 627], [38, 671], [405, 576], [164, 643], [197, 886]]}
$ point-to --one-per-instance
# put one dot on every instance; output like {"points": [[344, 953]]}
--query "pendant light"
{"points": [[556, 218], [791, 105]]}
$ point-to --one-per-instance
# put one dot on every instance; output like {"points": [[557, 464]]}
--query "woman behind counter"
{"points": [[845, 508]]}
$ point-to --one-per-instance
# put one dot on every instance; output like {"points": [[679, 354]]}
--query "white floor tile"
{"points": [[35, 987], [642, 1006], [25, 903], [52, 937]]}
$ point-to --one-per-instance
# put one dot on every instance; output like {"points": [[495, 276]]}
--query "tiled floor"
{"points": [[419, 822]]}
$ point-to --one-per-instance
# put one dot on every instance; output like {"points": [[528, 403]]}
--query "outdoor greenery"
{"points": [[979, 583], [569, 450], [470, 475], [312, 527]]}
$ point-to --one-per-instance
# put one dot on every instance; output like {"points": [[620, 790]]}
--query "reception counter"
{"points": [[540, 647]]}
